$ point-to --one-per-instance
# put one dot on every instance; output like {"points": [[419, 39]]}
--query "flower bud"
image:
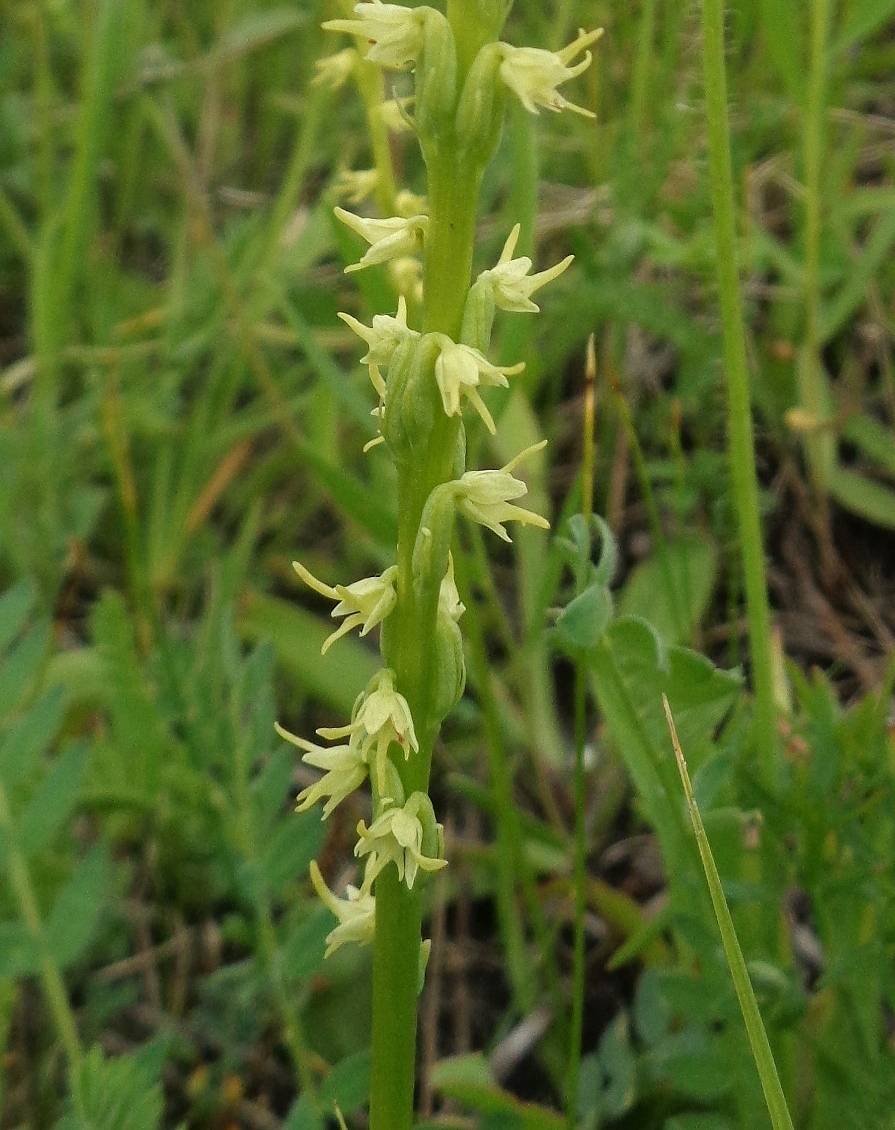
{"points": [[431, 552], [410, 397], [450, 678], [436, 80], [478, 316], [480, 110]]}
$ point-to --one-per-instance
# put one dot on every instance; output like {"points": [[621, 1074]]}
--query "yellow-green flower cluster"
{"points": [[423, 381]]}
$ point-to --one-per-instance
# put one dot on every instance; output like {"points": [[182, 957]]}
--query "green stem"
{"points": [[742, 454], [51, 978], [640, 80], [580, 895], [396, 952], [810, 390], [580, 856], [453, 199]]}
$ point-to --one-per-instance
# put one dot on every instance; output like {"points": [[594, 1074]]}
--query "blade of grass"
{"points": [[579, 872], [742, 453], [758, 1039]]}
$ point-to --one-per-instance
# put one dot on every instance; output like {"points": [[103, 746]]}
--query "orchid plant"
{"points": [[424, 378]]}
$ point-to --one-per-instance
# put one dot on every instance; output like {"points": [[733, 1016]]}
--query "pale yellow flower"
{"points": [[345, 771], [461, 370], [395, 33], [356, 913], [510, 281], [391, 238], [381, 718], [533, 74], [397, 837], [364, 604], [485, 496]]}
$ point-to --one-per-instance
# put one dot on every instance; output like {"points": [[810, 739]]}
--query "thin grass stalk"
{"points": [[51, 978], [758, 1039], [810, 385], [742, 454], [652, 510], [579, 875], [641, 77]]}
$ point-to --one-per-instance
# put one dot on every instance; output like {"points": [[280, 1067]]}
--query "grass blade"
{"points": [[758, 1038]]}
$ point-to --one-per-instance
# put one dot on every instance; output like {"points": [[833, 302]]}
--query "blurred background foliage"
{"points": [[181, 413]]}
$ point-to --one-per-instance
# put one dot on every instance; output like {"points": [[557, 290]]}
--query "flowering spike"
{"points": [[394, 32], [484, 496], [356, 913], [533, 74], [391, 238]]}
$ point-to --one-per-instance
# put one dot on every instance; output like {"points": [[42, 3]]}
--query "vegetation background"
{"points": [[181, 414]]}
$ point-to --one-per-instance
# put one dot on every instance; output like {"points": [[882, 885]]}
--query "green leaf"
{"points": [[15, 604], [785, 44], [631, 669], [866, 17], [22, 664], [583, 621], [54, 800], [348, 1084], [865, 497], [18, 957], [301, 956], [693, 1063], [303, 1116], [297, 636], [270, 789], [699, 1122], [873, 438], [255, 31], [876, 251], [692, 564], [76, 912], [289, 851], [119, 1094], [467, 1079], [28, 739], [619, 1069]]}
